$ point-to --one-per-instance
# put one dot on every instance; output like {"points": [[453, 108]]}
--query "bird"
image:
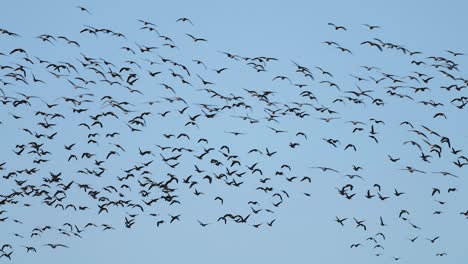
{"points": [[432, 240], [340, 221], [54, 246], [324, 169], [371, 27], [202, 224], [29, 248], [83, 9], [344, 50], [195, 39], [337, 27]]}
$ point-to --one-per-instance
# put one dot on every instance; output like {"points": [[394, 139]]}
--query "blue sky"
{"points": [[304, 229]]}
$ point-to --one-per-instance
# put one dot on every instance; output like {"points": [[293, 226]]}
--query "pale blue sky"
{"points": [[304, 230]]}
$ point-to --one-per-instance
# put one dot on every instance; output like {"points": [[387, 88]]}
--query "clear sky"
{"points": [[304, 230]]}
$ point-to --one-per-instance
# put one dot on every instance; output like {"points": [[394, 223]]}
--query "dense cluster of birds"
{"points": [[139, 136]]}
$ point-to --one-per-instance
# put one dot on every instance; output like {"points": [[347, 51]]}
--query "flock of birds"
{"points": [[77, 123]]}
